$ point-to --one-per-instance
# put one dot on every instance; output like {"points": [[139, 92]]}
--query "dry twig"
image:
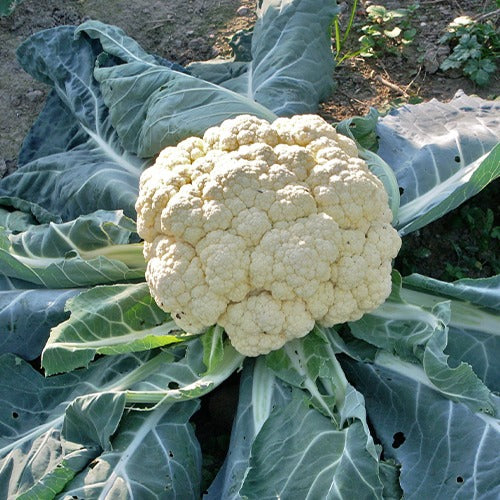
{"points": [[391, 85]]}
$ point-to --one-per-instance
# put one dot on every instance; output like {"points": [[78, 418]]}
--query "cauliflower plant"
{"points": [[265, 229]]}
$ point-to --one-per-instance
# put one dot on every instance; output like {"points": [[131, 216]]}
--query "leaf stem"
{"points": [[130, 254], [231, 361]]}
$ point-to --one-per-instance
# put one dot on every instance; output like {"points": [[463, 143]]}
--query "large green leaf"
{"points": [[291, 67], [27, 314], [154, 455], [418, 333], [89, 250], [72, 162], [33, 446], [162, 105], [474, 326], [441, 154], [16, 220], [300, 454], [186, 378], [281, 441], [54, 428], [445, 450], [112, 319], [484, 292], [260, 391]]}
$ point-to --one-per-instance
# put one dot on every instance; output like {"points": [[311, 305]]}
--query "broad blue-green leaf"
{"points": [[154, 455], [72, 162], [185, 377], [299, 453], [162, 105], [113, 319], [26, 317], [260, 391], [16, 220], [474, 327], [445, 450], [291, 69], [81, 440], [441, 154], [418, 333], [34, 212], [32, 413], [218, 71], [213, 347], [300, 363], [362, 129], [51, 428], [90, 250], [483, 292], [310, 363]]}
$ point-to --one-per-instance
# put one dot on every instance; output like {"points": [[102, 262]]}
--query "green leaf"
{"points": [[441, 154], [112, 319], [483, 292], [445, 450], [450, 63], [186, 378], [454, 191], [300, 363], [375, 11], [34, 452], [310, 363], [213, 347], [16, 220], [418, 334], [259, 393], [26, 316], [300, 454], [361, 129], [473, 327], [394, 33], [292, 60], [162, 105], [81, 415], [389, 475], [153, 455], [409, 34], [72, 162], [90, 250]]}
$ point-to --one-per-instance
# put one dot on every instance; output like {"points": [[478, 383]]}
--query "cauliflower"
{"points": [[265, 229]]}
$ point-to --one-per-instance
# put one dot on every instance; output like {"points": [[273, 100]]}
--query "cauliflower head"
{"points": [[265, 229]]}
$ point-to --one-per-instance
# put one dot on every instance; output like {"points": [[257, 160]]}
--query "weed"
{"points": [[384, 31], [475, 46], [341, 39], [387, 31]]}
